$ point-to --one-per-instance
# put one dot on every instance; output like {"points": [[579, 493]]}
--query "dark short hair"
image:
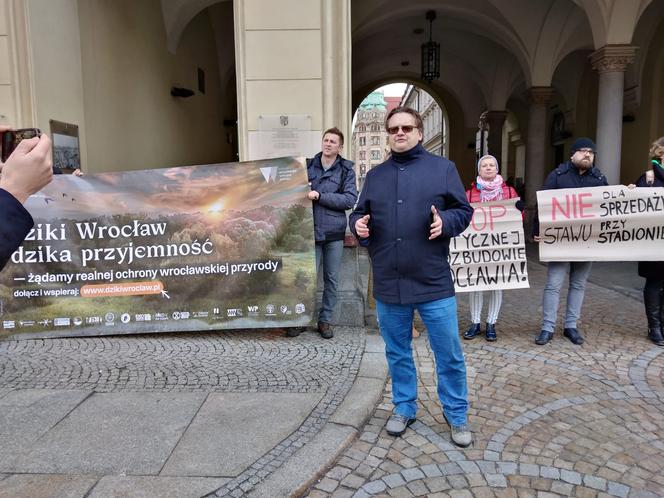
{"points": [[407, 110], [335, 131]]}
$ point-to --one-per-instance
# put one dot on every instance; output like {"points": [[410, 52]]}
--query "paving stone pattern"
{"points": [[256, 361], [548, 421], [251, 361]]}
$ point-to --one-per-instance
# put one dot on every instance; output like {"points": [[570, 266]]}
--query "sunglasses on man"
{"points": [[393, 130]]}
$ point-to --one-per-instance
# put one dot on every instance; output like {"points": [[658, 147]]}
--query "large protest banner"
{"points": [[613, 223], [491, 253], [180, 249]]}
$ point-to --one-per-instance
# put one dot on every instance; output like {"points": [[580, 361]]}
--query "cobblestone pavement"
{"points": [[256, 361], [554, 420], [235, 361]]}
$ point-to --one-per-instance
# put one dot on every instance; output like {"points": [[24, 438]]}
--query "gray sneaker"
{"points": [[397, 424], [461, 435]]}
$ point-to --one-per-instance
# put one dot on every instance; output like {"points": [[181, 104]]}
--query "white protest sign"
{"points": [[613, 223], [490, 254]]}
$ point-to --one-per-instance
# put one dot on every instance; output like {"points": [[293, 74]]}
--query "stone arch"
{"points": [[178, 14], [490, 24], [648, 25], [565, 30], [461, 123]]}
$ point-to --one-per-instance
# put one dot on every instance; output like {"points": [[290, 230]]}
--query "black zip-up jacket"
{"points": [[566, 175], [652, 269]]}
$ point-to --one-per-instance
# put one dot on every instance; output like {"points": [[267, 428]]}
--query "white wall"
{"points": [[131, 119], [56, 56]]}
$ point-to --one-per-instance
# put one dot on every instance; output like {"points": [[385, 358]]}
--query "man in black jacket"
{"points": [[409, 208], [28, 170], [578, 172], [333, 191]]}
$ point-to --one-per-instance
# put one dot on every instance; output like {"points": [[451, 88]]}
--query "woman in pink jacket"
{"points": [[489, 186]]}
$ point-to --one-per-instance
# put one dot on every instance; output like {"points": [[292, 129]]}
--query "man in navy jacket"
{"points": [[409, 208], [27, 171], [333, 191]]}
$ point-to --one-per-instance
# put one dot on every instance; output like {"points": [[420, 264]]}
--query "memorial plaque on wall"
{"points": [[66, 147], [281, 135]]}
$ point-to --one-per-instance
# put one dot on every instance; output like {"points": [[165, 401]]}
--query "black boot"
{"points": [[490, 333], [652, 300], [472, 332]]}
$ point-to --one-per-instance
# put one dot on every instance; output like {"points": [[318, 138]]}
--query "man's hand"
{"points": [[362, 226], [437, 225], [537, 238], [28, 169], [313, 195]]}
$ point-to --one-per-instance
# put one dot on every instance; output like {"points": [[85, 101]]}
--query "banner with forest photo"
{"points": [[197, 248]]}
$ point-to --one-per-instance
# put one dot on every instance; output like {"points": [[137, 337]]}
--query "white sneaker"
{"points": [[397, 424], [461, 435]]}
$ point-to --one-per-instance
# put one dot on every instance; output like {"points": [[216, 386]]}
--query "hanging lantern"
{"points": [[430, 53]]}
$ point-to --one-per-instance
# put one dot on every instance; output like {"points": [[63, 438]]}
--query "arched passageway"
{"points": [[541, 73], [369, 145]]}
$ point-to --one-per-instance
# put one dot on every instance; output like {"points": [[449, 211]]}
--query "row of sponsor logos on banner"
{"points": [[110, 319]]}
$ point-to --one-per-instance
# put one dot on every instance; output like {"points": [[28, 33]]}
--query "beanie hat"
{"points": [[583, 143], [488, 156]]}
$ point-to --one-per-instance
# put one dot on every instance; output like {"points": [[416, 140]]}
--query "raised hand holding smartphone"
{"points": [[11, 139], [28, 169]]}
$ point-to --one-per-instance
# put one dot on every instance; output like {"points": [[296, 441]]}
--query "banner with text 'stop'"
{"points": [[491, 253], [613, 223], [194, 248]]}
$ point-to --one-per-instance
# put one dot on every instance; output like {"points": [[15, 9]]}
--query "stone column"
{"points": [[336, 62], [539, 97], [495, 120], [610, 62], [17, 86], [516, 140]]}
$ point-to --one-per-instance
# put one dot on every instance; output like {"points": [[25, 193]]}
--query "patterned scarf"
{"points": [[490, 191]]}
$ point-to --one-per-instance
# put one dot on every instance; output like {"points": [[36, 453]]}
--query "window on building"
{"points": [[375, 127], [363, 154], [361, 127], [375, 154], [363, 169], [363, 141]]}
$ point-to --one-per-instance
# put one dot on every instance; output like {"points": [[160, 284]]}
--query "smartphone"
{"points": [[11, 138]]}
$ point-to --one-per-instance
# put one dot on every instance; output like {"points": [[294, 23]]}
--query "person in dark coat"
{"points": [[653, 271], [409, 208], [579, 172], [27, 170], [333, 191]]}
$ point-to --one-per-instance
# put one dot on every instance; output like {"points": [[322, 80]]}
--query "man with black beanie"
{"points": [[578, 172]]}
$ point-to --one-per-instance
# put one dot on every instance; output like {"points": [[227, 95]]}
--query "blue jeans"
{"points": [[578, 275], [440, 318], [329, 254]]}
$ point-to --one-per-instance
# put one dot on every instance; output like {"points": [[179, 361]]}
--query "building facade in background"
{"points": [[369, 140], [434, 119]]}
